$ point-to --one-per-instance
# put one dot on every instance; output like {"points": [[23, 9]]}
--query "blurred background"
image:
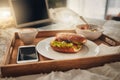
{"points": [[99, 9]]}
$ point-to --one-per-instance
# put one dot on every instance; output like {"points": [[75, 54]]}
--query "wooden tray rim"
{"points": [[54, 31], [81, 62]]}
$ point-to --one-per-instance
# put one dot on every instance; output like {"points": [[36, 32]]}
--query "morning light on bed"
{"points": [[6, 18], [5, 13]]}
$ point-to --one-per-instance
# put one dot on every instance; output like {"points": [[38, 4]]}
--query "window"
{"points": [[113, 7]]}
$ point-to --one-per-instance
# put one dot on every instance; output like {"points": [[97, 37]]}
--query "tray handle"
{"points": [[109, 40]]}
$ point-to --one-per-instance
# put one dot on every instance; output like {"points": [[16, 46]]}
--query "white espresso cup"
{"points": [[28, 35]]}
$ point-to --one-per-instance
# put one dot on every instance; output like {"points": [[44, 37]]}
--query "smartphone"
{"points": [[27, 54]]}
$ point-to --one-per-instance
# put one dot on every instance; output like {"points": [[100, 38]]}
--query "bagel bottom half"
{"points": [[65, 47]]}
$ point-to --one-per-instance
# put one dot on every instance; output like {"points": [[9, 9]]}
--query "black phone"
{"points": [[27, 54]]}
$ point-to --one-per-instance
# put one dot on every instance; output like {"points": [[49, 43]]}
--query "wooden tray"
{"points": [[9, 66]]}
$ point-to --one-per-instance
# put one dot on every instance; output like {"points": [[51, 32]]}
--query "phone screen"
{"points": [[27, 54]]}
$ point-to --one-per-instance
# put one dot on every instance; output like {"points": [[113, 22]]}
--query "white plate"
{"points": [[44, 48]]}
